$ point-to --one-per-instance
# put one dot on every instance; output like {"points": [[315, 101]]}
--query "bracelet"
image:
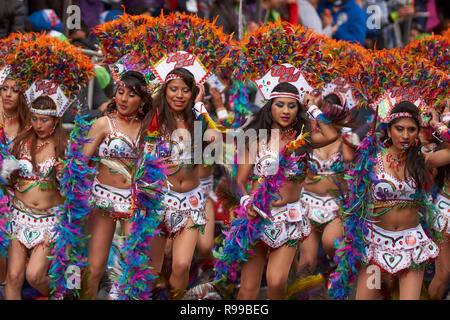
{"points": [[245, 200], [313, 112], [222, 114], [446, 117], [199, 109]]}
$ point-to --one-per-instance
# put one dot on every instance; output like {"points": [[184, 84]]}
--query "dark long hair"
{"points": [[333, 109], [263, 118], [60, 135], [135, 81], [415, 160], [166, 120]]}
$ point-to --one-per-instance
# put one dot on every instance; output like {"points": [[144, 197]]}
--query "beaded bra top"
{"points": [[331, 166], [117, 144], [267, 162], [390, 191]]}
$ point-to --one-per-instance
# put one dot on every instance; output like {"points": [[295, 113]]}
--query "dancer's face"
{"points": [[284, 111], [127, 101], [44, 126], [178, 95], [403, 133], [10, 95]]}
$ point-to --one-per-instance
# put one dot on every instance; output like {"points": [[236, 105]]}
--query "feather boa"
{"points": [[136, 281], [70, 248], [243, 233], [350, 249], [4, 200]]}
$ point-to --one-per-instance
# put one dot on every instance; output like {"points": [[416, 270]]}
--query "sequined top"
{"points": [[390, 191], [117, 144]]}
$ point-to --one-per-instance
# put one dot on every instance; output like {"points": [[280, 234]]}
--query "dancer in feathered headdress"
{"points": [[390, 179], [14, 115], [50, 73], [121, 185], [182, 50], [280, 60]]}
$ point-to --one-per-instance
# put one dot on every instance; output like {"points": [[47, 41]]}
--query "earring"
{"points": [[387, 142], [53, 130]]}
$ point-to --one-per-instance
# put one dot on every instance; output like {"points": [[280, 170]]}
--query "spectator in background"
{"points": [[392, 14], [13, 14], [55, 5], [346, 19], [309, 17], [45, 20]]}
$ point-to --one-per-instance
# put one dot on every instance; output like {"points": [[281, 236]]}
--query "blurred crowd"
{"points": [[384, 23]]}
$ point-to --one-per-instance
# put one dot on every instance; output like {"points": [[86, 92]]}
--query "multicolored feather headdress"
{"points": [[278, 43], [388, 69], [393, 96], [46, 66]]}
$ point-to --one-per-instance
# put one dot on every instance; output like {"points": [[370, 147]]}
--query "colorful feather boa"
{"points": [[243, 233], [70, 248], [350, 249], [4, 198], [136, 281]]}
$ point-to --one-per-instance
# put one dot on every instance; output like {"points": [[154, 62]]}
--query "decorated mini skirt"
{"points": [[179, 207], [442, 220], [115, 201], [394, 251], [32, 226], [289, 225], [320, 209], [207, 185]]}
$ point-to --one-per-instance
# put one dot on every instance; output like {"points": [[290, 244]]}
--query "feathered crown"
{"points": [[46, 66], [391, 97], [434, 48], [181, 40], [179, 59], [388, 69], [280, 43]]}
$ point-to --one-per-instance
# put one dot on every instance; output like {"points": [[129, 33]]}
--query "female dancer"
{"points": [[14, 113], [288, 224], [115, 138], [36, 197], [324, 190], [184, 213], [396, 241]]}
